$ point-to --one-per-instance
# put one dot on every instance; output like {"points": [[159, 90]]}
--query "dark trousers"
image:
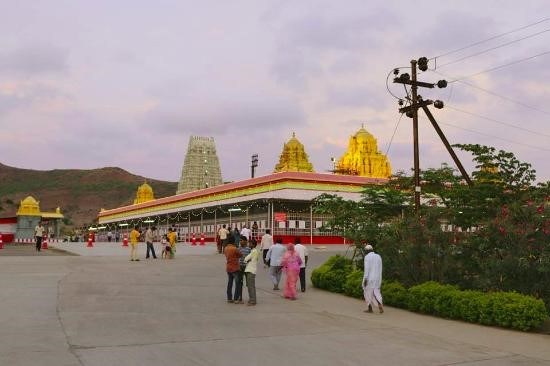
{"points": [[240, 281], [151, 248], [38, 243], [264, 254], [232, 276], [251, 285], [303, 279]]}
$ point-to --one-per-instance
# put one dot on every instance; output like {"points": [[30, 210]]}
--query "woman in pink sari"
{"points": [[291, 266]]}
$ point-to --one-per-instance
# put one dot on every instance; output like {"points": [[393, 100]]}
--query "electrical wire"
{"points": [[494, 137], [500, 66], [387, 84], [490, 92], [497, 121], [393, 135], [490, 38], [493, 48]]}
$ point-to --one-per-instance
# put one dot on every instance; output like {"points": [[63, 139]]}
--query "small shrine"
{"points": [[29, 215], [144, 194], [363, 158], [293, 158]]}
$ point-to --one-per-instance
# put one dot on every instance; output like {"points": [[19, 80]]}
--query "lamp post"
{"points": [[253, 165]]}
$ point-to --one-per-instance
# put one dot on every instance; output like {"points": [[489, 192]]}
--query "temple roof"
{"points": [[29, 207], [293, 158]]}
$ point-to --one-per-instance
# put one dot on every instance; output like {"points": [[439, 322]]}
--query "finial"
{"points": [[362, 125], [293, 134]]}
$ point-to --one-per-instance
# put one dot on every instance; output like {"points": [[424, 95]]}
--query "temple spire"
{"points": [[293, 157]]}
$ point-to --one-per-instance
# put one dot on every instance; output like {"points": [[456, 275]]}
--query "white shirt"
{"points": [[373, 270], [223, 233], [267, 241], [275, 255], [39, 230], [245, 232], [302, 252], [251, 261]]}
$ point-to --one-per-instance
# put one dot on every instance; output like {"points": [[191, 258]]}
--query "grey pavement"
{"points": [[101, 309]]}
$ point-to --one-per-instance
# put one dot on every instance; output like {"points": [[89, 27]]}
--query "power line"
{"points": [[497, 121], [495, 94], [501, 66], [495, 137], [393, 135], [493, 48], [491, 38]]}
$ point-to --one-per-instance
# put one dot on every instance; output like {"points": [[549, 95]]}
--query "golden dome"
{"points": [[293, 157], [363, 158], [29, 207], [144, 194]]}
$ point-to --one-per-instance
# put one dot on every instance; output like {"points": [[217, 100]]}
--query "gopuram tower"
{"points": [[363, 158], [201, 168], [293, 158]]}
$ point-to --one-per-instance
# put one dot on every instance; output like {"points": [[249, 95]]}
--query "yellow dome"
{"points": [[363, 158], [294, 157], [29, 207], [144, 194]]}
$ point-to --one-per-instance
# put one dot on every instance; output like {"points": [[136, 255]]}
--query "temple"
{"points": [[363, 158], [293, 157], [144, 194], [201, 168]]}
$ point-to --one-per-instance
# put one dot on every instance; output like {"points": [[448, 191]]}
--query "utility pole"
{"points": [[415, 103]]}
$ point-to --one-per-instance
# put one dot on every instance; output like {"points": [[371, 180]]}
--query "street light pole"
{"points": [[253, 165]]}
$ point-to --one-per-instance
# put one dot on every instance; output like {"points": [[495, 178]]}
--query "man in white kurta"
{"points": [[372, 280]]}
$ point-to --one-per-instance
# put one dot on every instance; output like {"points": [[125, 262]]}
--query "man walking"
{"points": [[149, 240], [274, 257], [372, 280], [266, 243], [232, 267], [302, 252], [38, 234], [222, 233], [134, 236]]}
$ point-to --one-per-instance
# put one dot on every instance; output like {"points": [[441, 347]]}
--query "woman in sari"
{"points": [[291, 266]]}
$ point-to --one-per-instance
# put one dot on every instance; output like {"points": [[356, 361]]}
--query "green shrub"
{"points": [[394, 294], [316, 275], [354, 284], [333, 280]]}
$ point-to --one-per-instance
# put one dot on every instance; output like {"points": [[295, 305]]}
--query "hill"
{"points": [[79, 193]]}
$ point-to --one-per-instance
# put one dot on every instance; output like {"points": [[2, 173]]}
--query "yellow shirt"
{"points": [[172, 238], [134, 235]]}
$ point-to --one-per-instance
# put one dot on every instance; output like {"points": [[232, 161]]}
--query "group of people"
{"points": [[242, 264], [168, 243], [224, 233]]}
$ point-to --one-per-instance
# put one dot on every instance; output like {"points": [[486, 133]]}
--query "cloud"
{"points": [[34, 59]]}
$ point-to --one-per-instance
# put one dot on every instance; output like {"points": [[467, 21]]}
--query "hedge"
{"points": [[505, 309]]}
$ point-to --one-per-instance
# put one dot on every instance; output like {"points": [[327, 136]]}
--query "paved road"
{"points": [[105, 310]]}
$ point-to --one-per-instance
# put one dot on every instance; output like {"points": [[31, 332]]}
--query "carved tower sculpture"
{"points": [[293, 158], [363, 158], [201, 168]]}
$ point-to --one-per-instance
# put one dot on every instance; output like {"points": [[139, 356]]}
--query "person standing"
{"points": [[291, 265], [372, 279], [302, 252], [244, 250], [245, 231], [255, 230], [109, 236], [222, 233], [134, 236], [38, 235], [117, 236], [236, 237], [172, 238], [251, 261], [265, 244], [274, 257], [232, 267], [149, 239]]}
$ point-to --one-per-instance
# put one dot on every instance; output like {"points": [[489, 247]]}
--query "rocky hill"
{"points": [[79, 193]]}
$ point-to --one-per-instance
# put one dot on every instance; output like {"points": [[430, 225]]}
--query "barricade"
{"points": [[90, 241], [202, 239], [45, 242]]}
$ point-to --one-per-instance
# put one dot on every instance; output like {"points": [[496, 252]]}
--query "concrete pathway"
{"points": [[105, 310]]}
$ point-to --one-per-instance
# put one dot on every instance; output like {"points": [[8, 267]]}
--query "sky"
{"points": [[90, 84]]}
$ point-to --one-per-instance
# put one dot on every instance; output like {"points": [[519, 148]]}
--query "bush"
{"points": [[353, 286], [505, 309], [394, 294]]}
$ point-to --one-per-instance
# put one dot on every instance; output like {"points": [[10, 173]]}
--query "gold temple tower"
{"points": [[144, 194], [363, 158], [293, 158]]}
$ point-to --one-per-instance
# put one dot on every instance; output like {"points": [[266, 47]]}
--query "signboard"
{"points": [[280, 216]]}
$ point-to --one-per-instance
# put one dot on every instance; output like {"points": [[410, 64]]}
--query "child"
{"points": [[166, 248]]}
